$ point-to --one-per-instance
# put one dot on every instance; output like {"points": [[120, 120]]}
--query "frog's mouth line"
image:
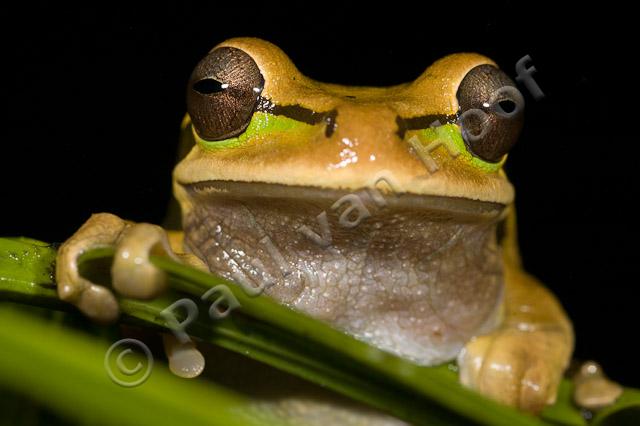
{"points": [[454, 207]]}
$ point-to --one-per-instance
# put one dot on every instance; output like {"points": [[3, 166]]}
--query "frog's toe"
{"points": [[98, 303], [593, 390], [538, 386], [95, 301], [185, 360], [513, 367], [132, 272]]}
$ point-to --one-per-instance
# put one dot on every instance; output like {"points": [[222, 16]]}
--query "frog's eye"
{"points": [[491, 112], [223, 91]]}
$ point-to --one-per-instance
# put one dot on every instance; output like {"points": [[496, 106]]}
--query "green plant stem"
{"points": [[32, 349], [271, 333]]}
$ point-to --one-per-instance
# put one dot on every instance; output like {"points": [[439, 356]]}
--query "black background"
{"points": [[95, 99]]}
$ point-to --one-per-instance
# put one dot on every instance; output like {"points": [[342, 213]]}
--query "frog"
{"points": [[385, 212]]}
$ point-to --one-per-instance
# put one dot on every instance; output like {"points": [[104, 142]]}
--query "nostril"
{"points": [[209, 86]]}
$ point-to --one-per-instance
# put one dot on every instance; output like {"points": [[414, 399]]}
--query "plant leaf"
{"points": [[271, 333], [42, 361]]}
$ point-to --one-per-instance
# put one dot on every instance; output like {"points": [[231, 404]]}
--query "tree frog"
{"points": [[385, 212]]}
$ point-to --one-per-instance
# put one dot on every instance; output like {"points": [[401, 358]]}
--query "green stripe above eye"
{"points": [[262, 123]]}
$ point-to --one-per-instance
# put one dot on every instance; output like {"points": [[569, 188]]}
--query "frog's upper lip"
{"points": [[450, 206]]}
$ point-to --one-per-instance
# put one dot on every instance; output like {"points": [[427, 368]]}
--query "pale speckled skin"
{"points": [[412, 281], [431, 284]]}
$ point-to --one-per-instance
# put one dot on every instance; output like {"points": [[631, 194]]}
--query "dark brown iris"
{"points": [[491, 112], [223, 91]]}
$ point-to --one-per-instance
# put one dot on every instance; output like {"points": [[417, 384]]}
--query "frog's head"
{"points": [[255, 118], [285, 180]]}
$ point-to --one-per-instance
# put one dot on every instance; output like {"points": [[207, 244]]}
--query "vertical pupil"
{"points": [[209, 86]]}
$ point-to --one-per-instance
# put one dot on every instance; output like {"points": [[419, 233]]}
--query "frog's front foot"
{"points": [[132, 272], [515, 367], [133, 275], [522, 362]]}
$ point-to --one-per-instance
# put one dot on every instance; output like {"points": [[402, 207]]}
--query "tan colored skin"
{"points": [[519, 360], [593, 390]]}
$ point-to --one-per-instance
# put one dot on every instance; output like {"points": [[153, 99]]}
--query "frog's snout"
{"points": [[367, 125]]}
